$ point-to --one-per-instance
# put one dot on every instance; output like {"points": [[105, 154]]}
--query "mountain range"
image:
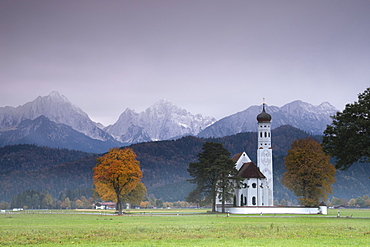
{"points": [[54, 121], [299, 114]]}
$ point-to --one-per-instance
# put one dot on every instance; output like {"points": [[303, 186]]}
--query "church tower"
{"points": [[264, 156]]}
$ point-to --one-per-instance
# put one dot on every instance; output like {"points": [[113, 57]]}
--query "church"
{"points": [[257, 184], [256, 193]]}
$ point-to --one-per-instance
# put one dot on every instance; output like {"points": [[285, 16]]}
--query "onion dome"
{"points": [[263, 116]]}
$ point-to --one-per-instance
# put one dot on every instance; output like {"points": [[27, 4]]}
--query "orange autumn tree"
{"points": [[117, 175], [309, 173]]}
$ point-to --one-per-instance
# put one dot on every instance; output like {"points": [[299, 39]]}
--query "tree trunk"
{"points": [[119, 205], [214, 203]]}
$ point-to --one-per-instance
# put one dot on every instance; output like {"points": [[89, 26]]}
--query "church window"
{"points": [[254, 185], [254, 200], [241, 200], [265, 134], [261, 134]]}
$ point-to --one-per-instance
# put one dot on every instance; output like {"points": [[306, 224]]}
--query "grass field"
{"points": [[183, 228]]}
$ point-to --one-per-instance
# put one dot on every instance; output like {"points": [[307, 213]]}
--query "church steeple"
{"points": [[264, 130], [263, 116], [264, 154]]}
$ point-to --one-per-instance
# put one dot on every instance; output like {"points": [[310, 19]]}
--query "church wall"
{"points": [[252, 193], [275, 210]]}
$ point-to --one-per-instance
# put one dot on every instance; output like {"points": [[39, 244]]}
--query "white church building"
{"points": [[256, 195]]}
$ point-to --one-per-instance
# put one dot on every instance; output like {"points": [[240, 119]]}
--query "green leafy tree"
{"points": [[211, 174], [47, 202], [194, 196], [336, 201], [227, 179], [159, 203], [136, 195], [347, 138], [309, 174], [360, 201]]}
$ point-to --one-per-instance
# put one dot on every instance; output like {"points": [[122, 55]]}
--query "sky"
{"points": [[206, 56]]}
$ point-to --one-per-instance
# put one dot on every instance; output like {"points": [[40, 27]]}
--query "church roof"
{"points": [[263, 116], [236, 157], [250, 170]]}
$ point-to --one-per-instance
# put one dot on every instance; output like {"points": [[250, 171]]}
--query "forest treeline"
{"points": [[164, 165]]}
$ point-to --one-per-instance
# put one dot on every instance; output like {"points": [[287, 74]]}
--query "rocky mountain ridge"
{"points": [[161, 121], [299, 114], [58, 109]]}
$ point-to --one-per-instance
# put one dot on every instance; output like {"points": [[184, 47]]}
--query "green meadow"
{"points": [[183, 228]]}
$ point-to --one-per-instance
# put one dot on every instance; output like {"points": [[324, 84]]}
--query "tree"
{"points": [[227, 179], [4, 205], [344, 202], [136, 195], [159, 203], [116, 174], [212, 174], [67, 203], [194, 196], [352, 202], [309, 174], [79, 203], [336, 201], [47, 202], [347, 138], [360, 201]]}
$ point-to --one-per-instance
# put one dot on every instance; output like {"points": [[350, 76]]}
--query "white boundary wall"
{"points": [[274, 210]]}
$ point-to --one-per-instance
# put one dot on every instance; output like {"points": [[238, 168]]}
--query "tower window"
{"points": [[265, 134]]}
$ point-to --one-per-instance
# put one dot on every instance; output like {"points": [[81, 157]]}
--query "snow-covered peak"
{"points": [[56, 108], [298, 107], [162, 120], [327, 106], [165, 108], [55, 96], [299, 114]]}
